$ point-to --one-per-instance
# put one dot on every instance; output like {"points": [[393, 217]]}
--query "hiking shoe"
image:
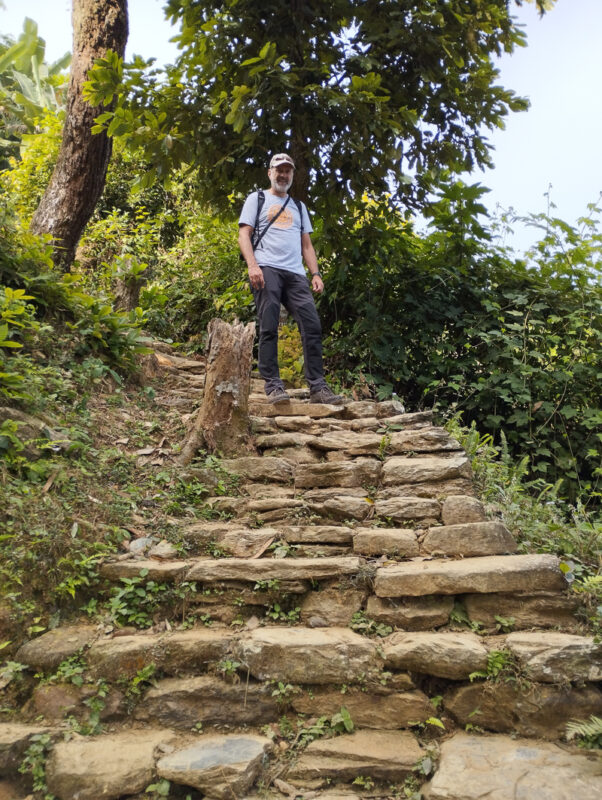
{"points": [[278, 396], [326, 395]]}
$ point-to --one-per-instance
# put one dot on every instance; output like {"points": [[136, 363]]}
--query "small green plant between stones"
{"points": [[360, 623], [587, 732], [34, 763]]}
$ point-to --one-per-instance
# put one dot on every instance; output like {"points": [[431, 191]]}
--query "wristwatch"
{"points": [[317, 274]]}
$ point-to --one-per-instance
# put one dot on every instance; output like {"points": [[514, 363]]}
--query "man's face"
{"points": [[281, 177]]}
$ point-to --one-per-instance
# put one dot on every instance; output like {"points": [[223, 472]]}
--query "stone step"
{"points": [[317, 426], [520, 573], [498, 768], [216, 570]]}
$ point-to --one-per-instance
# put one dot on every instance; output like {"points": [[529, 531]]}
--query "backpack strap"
{"points": [[299, 205], [259, 236]]}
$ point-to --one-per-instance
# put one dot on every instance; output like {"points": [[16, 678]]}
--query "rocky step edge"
{"points": [[223, 766], [302, 674]]}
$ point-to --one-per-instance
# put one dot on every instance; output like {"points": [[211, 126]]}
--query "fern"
{"points": [[588, 731]]}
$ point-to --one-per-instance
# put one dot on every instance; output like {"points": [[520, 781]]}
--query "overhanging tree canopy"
{"points": [[367, 95]]}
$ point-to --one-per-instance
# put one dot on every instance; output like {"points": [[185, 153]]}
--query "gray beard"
{"points": [[281, 187]]}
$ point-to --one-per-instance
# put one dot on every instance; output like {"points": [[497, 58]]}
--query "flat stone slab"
{"points": [[470, 539], [500, 768], [382, 755], [288, 439], [402, 509], [372, 444], [47, 651], [301, 655], [14, 741], [316, 534], [157, 570], [535, 709], [219, 766], [388, 711], [295, 409], [268, 468], [360, 472], [411, 613], [244, 569], [483, 575], [172, 653], [541, 610], [400, 469], [445, 655], [181, 703], [387, 541], [342, 506], [104, 767], [333, 606], [557, 657]]}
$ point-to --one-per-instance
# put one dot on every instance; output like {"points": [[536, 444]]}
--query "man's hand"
{"points": [[317, 284], [256, 277]]}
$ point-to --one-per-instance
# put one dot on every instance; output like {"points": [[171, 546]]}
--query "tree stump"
{"points": [[222, 421]]}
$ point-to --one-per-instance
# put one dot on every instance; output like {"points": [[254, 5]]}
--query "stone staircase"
{"points": [[360, 628]]}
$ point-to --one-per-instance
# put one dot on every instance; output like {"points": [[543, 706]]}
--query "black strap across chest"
{"points": [[257, 235]]}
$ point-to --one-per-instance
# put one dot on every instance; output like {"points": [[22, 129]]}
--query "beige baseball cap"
{"points": [[281, 158]]}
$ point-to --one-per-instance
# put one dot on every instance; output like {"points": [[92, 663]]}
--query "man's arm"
{"points": [[309, 256], [246, 248]]}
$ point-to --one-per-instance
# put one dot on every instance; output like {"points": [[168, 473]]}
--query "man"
{"points": [[274, 243]]}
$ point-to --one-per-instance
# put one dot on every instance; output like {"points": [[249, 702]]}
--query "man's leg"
{"points": [[298, 301], [267, 302]]}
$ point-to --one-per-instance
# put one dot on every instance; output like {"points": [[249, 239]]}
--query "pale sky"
{"points": [[556, 142]]}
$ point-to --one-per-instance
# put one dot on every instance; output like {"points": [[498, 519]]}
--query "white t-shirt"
{"points": [[281, 245]]}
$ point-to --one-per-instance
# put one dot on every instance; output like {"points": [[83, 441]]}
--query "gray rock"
{"points": [[500, 768], [445, 655], [469, 539], [219, 766], [157, 570]]}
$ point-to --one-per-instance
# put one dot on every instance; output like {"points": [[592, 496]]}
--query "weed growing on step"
{"points": [[136, 686], [459, 618], [587, 732], [228, 669], [137, 600], [34, 763], [284, 692], [276, 613], [360, 623], [502, 665]]}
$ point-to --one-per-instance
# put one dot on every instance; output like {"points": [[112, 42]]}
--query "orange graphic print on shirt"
{"points": [[284, 221]]}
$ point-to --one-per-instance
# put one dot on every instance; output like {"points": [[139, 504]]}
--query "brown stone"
{"points": [[385, 541], [445, 655], [299, 655], [458, 509], [314, 534], [537, 710], [295, 455], [400, 469], [260, 469], [499, 768], [232, 569], [181, 703], [343, 507], [402, 509], [469, 539], [389, 711], [436, 490], [383, 755], [489, 574], [55, 701], [360, 472], [95, 768], [14, 741], [47, 651], [410, 613], [553, 657], [295, 409], [543, 610], [335, 605], [157, 570], [172, 653], [289, 439]]}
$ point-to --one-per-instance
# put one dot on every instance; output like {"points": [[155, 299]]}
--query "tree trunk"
{"points": [[79, 176], [222, 422]]}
